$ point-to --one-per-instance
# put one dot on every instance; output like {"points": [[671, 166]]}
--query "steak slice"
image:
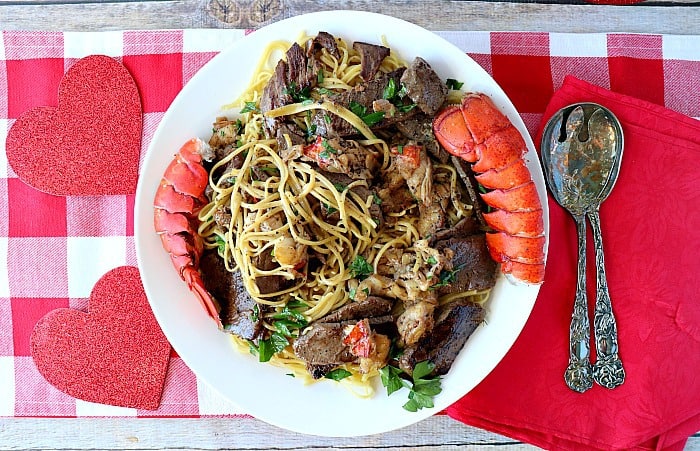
{"points": [[237, 306], [371, 307], [291, 77], [341, 181], [324, 40], [473, 267], [455, 324], [419, 128], [364, 95], [424, 86], [371, 57], [322, 344]]}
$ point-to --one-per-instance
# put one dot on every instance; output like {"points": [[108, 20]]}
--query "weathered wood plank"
{"points": [[439, 432], [436, 15], [436, 433]]}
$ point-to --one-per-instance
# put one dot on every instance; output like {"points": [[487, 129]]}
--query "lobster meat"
{"points": [[179, 198], [476, 131]]}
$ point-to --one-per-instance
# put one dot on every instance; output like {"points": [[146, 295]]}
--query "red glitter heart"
{"points": [[90, 143], [115, 354]]}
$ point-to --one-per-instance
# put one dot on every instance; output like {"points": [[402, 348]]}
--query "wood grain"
{"points": [[434, 15], [436, 433], [439, 433]]}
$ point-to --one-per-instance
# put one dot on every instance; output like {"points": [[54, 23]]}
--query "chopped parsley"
{"points": [[361, 111], [422, 389], [297, 94], [447, 277], [454, 84], [360, 268], [338, 374], [389, 90], [250, 107], [327, 150]]}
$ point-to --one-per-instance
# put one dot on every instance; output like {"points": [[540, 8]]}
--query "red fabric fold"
{"points": [[651, 233]]}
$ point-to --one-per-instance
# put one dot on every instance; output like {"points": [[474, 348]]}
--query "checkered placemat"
{"points": [[54, 249]]}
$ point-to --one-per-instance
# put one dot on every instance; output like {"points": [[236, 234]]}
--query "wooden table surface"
{"points": [[438, 432]]}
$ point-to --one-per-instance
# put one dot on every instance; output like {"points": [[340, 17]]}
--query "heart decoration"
{"points": [[114, 354], [90, 144]]}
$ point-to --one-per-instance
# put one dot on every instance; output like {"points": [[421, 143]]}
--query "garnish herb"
{"points": [[338, 374], [454, 84], [389, 90], [432, 260], [256, 313], [329, 208], [319, 76], [422, 389], [221, 245], [447, 277], [377, 199], [368, 118], [298, 95], [327, 150], [250, 107], [340, 187], [297, 303], [360, 268]]}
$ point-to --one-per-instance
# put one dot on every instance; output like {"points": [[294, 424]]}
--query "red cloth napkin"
{"points": [[651, 233]]}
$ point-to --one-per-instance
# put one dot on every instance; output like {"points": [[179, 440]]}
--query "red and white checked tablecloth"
{"points": [[54, 249]]}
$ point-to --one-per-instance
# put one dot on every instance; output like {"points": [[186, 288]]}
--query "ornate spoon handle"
{"points": [[607, 370], [578, 375]]}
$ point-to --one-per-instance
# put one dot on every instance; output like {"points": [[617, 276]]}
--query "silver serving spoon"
{"points": [[581, 152]]}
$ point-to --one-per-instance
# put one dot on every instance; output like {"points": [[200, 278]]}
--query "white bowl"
{"points": [[264, 391]]}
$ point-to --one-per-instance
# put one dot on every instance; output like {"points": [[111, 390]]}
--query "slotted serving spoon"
{"points": [[581, 152]]}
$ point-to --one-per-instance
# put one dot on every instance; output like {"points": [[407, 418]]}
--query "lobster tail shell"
{"points": [[178, 199], [480, 134]]}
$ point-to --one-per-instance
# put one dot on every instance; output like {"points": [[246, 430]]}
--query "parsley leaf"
{"points": [[338, 374], [447, 277], [422, 390], [391, 379], [274, 344], [360, 268], [361, 111], [250, 107], [454, 84], [389, 90], [298, 95]]}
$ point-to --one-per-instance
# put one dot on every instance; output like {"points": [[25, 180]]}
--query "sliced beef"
{"points": [[473, 267], [237, 306], [467, 175], [294, 133], [324, 40], [464, 227], [454, 325], [372, 306], [424, 86], [341, 181], [364, 94], [419, 128], [322, 344], [269, 284], [371, 57], [291, 77]]}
